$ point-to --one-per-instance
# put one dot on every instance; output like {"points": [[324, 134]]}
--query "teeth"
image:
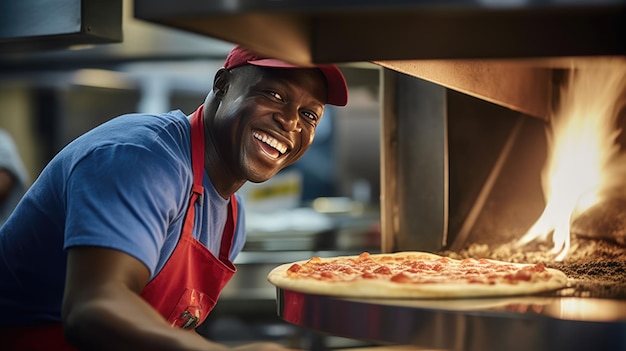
{"points": [[282, 148]]}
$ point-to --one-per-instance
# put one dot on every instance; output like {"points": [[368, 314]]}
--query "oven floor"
{"points": [[595, 268]]}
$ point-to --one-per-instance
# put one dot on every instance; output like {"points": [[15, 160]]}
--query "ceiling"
{"points": [[142, 41]]}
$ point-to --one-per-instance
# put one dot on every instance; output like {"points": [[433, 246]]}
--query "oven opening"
{"points": [[553, 190]]}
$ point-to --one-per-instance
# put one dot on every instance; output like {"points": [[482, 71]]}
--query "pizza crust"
{"points": [[375, 288]]}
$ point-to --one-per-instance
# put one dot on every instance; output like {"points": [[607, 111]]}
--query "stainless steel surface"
{"points": [[455, 167], [414, 189], [516, 323], [141, 42], [270, 246], [36, 25], [517, 42], [521, 85]]}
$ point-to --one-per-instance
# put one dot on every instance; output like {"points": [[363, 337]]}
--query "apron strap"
{"points": [[229, 230], [197, 164]]}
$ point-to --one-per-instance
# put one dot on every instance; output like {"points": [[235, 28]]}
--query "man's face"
{"points": [[267, 119]]}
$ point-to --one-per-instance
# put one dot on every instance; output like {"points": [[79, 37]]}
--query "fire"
{"points": [[584, 159]]}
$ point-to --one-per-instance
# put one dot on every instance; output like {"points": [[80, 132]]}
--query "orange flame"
{"points": [[583, 157]]}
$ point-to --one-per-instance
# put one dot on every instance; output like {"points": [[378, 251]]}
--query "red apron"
{"points": [[187, 287]]}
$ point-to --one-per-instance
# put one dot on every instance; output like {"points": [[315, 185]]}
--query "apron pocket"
{"points": [[191, 310]]}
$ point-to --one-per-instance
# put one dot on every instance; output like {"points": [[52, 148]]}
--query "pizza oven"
{"points": [[501, 120]]}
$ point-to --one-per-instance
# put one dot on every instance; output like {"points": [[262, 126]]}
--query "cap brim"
{"points": [[335, 81]]}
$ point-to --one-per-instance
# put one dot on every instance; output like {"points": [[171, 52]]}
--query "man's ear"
{"points": [[221, 81]]}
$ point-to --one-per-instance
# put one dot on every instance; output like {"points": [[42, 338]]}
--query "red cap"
{"points": [[335, 81]]}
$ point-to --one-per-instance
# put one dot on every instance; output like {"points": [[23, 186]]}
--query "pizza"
{"points": [[414, 275]]}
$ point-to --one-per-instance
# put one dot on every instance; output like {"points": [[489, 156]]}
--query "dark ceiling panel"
{"points": [[321, 31], [39, 25]]}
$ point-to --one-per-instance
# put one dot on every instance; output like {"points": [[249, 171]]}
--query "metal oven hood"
{"points": [[476, 47], [37, 25]]}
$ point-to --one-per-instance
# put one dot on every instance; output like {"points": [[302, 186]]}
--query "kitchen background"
{"points": [[456, 170], [328, 201]]}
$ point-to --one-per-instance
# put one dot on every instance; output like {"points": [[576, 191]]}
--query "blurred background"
{"points": [[327, 203]]}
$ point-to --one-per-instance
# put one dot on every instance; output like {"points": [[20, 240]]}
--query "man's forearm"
{"points": [[117, 320]]}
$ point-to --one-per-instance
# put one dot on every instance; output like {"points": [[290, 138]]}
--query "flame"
{"points": [[583, 157]]}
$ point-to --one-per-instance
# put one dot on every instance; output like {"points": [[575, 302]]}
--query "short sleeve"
{"points": [[125, 197]]}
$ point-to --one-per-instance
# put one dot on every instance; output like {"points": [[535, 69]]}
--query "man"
{"points": [[13, 176], [102, 253]]}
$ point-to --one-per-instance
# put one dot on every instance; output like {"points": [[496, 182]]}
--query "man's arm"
{"points": [[102, 309]]}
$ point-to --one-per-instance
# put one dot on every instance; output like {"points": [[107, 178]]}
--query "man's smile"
{"points": [[270, 145]]}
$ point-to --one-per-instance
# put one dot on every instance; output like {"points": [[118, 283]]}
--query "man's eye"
{"points": [[276, 95], [310, 115]]}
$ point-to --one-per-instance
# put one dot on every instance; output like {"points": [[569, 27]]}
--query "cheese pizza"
{"points": [[414, 275]]}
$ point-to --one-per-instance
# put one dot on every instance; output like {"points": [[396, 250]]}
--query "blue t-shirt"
{"points": [[124, 185]]}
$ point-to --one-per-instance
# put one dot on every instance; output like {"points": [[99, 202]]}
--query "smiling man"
{"points": [[128, 235]]}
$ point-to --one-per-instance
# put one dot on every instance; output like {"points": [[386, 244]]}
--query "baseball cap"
{"points": [[335, 81]]}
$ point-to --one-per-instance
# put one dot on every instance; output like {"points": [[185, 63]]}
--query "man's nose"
{"points": [[289, 119]]}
